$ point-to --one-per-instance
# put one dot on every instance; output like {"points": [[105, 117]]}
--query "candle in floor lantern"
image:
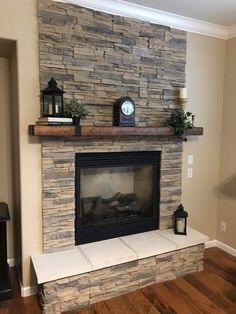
{"points": [[180, 225], [180, 220], [183, 93]]}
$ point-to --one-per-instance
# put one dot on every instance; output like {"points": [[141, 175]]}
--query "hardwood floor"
{"points": [[211, 291], [19, 305]]}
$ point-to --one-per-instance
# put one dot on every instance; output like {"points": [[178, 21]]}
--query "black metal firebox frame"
{"points": [[132, 225]]}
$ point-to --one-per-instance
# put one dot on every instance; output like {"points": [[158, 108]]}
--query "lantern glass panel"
{"points": [[58, 105], [47, 110], [180, 224]]}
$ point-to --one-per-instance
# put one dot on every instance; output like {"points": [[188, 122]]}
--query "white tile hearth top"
{"points": [[181, 241], [108, 253], [148, 244], [58, 265], [93, 256]]}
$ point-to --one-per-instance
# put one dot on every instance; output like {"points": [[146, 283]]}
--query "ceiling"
{"points": [[221, 12]]}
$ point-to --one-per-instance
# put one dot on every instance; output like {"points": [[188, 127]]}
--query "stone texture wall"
{"points": [[58, 164], [100, 57], [78, 291]]}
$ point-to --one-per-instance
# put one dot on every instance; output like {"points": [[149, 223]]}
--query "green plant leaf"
{"points": [[179, 120], [76, 108]]}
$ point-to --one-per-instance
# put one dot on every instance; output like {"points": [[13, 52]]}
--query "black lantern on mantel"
{"points": [[180, 220], [52, 100]]}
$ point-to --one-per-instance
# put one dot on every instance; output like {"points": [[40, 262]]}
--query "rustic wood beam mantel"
{"points": [[91, 131]]}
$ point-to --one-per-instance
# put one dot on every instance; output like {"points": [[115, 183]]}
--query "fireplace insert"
{"points": [[117, 194]]}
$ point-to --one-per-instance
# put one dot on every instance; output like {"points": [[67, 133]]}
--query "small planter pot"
{"points": [[76, 120]]}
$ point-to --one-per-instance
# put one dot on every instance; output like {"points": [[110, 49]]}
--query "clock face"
{"points": [[124, 112], [127, 108]]}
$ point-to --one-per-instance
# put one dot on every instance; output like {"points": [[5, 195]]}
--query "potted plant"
{"points": [[76, 109], [179, 120]]}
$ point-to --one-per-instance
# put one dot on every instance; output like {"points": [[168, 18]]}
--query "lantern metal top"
{"points": [[52, 88], [180, 212]]}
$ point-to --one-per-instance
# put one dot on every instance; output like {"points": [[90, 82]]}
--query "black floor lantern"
{"points": [[180, 220], [52, 98]]}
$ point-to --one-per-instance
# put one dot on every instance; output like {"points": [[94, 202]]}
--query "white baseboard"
{"points": [[209, 244], [226, 248], [11, 262], [28, 291], [221, 246]]}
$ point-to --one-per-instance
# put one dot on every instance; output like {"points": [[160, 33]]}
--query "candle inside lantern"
{"points": [[183, 93], [180, 224], [50, 109]]}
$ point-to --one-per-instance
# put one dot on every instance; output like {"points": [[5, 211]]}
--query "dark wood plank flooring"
{"points": [[211, 291], [19, 305]]}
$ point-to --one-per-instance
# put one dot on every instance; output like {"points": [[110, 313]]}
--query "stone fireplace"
{"points": [[111, 187], [157, 164]]}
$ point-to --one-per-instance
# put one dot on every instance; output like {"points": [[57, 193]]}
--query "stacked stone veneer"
{"points": [[77, 291], [100, 57], [58, 164]]}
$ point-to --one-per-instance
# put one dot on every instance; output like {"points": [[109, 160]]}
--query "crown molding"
{"points": [[127, 9], [232, 31]]}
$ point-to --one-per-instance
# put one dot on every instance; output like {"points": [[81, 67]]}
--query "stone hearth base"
{"points": [[72, 292]]}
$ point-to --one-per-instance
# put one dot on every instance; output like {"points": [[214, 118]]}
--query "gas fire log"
{"points": [[110, 207]]}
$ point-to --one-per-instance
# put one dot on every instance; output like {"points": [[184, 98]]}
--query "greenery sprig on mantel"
{"points": [[179, 120], [76, 108]]}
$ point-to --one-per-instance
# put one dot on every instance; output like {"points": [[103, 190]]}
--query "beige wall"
{"points": [[227, 187], [19, 22], [6, 188], [205, 77]]}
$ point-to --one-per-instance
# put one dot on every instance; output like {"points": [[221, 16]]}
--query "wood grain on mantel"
{"points": [[86, 131]]}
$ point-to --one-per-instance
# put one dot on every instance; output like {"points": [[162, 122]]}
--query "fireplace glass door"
{"points": [[116, 194]]}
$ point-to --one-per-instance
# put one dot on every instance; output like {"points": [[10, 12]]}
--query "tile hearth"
{"points": [[98, 271], [94, 256]]}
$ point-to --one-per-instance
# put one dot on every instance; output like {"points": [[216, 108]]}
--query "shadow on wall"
{"points": [[228, 187]]}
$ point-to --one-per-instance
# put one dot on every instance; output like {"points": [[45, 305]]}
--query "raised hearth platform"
{"points": [[97, 271]]}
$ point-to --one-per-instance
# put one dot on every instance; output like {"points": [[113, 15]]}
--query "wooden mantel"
{"points": [[86, 131]]}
